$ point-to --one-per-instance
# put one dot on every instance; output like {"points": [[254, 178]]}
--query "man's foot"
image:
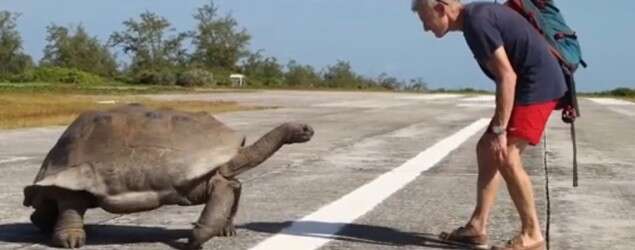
{"points": [[517, 244], [465, 236]]}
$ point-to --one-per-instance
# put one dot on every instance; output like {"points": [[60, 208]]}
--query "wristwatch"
{"points": [[497, 130]]}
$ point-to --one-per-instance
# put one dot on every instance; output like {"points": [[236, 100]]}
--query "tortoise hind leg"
{"points": [[69, 229], [216, 218], [45, 216]]}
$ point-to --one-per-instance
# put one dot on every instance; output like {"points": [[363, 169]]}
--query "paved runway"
{"points": [[384, 171]]}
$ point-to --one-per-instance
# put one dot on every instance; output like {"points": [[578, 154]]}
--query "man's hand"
{"points": [[498, 145]]}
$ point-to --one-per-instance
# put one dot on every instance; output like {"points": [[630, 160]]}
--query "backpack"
{"points": [[546, 18]]}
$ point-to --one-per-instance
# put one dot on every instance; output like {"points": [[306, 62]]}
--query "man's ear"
{"points": [[439, 8]]}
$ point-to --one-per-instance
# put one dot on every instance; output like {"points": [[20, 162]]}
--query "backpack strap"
{"points": [[575, 155], [570, 111]]}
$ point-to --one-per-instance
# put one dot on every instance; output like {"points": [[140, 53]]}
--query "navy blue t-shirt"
{"points": [[487, 26]]}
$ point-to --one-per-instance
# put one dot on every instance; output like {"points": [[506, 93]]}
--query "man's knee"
{"points": [[484, 145], [485, 150], [512, 158], [485, 153]]}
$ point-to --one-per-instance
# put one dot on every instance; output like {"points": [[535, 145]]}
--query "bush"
{"points": [[623, 92], [155, 77], [221, 76], [65, 75], [60, 75], [195, 77], [27, 76]]}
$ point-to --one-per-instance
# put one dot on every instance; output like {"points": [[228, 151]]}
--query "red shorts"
{"points": [[528, 121]]}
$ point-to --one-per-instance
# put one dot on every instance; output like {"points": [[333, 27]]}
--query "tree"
{"points": [[74, 48], [266, 70], [417, 84], [12, 60], [340, 75], [218, 41], [301, 75], [366, 82], [388, 82], [145, 40]]}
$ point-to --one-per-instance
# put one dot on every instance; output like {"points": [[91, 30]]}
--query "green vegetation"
{"points": [[55, 75], [13, 61], [159, 58], [73, 48], [195, 77], [102, 89], [218, 41], [156, 54], [622, 93], [618, 92], [462, 91]]}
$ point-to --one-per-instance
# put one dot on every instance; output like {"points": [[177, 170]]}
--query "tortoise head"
{"points": [[297, 132]]}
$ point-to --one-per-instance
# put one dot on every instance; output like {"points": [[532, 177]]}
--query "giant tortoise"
{"points": [[132, 159]]}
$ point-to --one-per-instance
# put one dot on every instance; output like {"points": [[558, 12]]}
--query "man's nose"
{"points": [[425, 28]]}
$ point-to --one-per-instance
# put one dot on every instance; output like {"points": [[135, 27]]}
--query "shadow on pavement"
{"points": [[99, 235], [368, 234], [26, 233]]}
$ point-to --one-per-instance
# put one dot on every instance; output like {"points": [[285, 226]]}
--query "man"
{"points": [[529, 82]]}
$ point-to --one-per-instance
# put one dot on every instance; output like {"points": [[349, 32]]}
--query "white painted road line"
{"points": [[333, 217], [14, 159]]}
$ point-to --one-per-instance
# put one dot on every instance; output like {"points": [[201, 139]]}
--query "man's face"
{"points": [[434, 19]]}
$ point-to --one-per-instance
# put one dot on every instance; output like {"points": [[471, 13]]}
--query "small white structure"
{"points": [[238, 80]]}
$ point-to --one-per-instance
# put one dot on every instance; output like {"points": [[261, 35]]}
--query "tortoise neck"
{"points": [[251, 156]]}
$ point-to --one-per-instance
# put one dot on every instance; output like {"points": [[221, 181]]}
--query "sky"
{"points": [[375, 36]]}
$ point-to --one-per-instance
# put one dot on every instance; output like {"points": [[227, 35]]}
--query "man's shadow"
{"points": [[26, 233], [356, 233]]}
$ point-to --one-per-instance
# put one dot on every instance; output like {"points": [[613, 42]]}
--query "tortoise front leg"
{"points": [[45, 217], [217, 215], [69, 229], [230, 231]]}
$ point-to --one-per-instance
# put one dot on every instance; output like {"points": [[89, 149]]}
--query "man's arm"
{"points": [[505, 75]]}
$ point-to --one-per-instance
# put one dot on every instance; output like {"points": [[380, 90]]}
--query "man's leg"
{"points": [[475, 231], [487, 184], [521, 190]]}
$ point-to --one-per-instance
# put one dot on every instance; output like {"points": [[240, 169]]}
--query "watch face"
{"points": [[498, 130]]}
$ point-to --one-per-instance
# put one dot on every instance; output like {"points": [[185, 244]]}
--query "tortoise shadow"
{"points": [[27, 233], [357, 233]]}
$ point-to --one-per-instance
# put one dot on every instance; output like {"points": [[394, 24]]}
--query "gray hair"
{"points": [[418, 4]]}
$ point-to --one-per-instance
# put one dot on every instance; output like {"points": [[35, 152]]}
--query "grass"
{"points": [[104, 89], [20, 110]]}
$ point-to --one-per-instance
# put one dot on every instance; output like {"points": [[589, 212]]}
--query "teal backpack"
{"points": [[546, 18]]}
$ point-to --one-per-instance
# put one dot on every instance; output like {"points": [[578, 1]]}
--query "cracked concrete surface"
{"points": [[360, 136]]}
